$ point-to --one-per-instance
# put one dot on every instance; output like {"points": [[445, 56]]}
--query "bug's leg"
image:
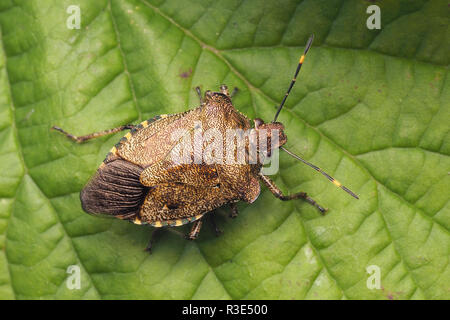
{"points": [[279, 194], [80, 139], [199, 93], [224, 90], [234, 92], [155, 235], [195, 230], [216, 229], [234, 210]]}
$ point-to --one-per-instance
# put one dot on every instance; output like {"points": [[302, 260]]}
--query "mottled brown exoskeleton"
{"points": [[139, 181]]}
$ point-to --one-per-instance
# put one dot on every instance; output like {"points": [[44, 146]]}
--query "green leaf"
{"points": [[371, 107]]}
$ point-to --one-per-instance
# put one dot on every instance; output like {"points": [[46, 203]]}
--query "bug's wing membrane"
{"points": [[114, 190]]}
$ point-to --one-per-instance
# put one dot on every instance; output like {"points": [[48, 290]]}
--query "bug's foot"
{"points": [[218, 232], [148, 249], [149, 246], [234, 92], [155, 235], [233, 211], [189, 237], [199, 93], [214, 226]]}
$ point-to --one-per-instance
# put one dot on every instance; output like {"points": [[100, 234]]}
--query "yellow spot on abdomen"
{"points": [[302, 58], [178, 222]]}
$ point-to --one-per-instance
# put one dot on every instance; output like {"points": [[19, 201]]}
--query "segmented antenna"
{"points": [[300, 63], [335, 182]]}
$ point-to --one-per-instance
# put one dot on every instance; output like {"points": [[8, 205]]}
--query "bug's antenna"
{"points": [[300, 63], [335, 182]]}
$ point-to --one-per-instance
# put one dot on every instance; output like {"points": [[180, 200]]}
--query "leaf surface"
{"points": [[371, 107]]}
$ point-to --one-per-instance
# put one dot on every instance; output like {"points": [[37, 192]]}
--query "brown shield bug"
{"points": [[140, 181]]}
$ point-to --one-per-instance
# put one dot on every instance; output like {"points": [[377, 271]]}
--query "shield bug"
{"points": [[140, 181]]}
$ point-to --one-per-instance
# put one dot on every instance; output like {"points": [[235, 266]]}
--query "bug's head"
{"points": [[269, 129], [259, 124], [216, 97]]}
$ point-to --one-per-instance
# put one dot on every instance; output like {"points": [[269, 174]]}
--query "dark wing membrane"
{"points": [[115, 190]]}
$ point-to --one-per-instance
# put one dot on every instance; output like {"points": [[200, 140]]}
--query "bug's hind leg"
{"points": [[80, 139], [155, 235], [279, 194], [195, 230]]}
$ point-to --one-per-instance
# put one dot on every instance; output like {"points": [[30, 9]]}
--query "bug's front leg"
{"points": [[279, 194], [224, 90], [199, 93], [80, 139]]}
